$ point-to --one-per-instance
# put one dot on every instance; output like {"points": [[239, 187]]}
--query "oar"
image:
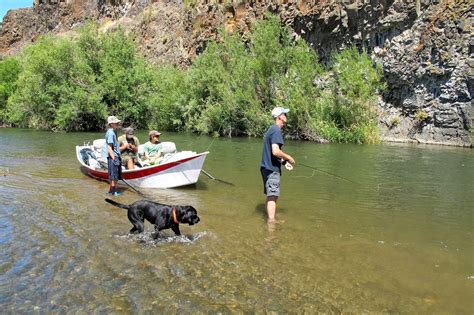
{"points": [[327, 173], [128, 184], [133, 188], [217, 179], [104, 165]]}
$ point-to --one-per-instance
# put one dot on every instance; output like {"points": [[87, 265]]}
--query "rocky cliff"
{"points": [[425, 46]]}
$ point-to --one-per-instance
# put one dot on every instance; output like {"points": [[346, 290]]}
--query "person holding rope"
{"points": [[272, 159]]}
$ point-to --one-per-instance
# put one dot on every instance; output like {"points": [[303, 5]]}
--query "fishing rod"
{"points": [[327, 173], [217, 179]]}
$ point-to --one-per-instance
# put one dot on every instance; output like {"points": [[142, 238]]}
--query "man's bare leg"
{"points": [[271, 207]]}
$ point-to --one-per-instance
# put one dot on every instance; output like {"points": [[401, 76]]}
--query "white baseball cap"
{"points": [[277, 111], [113, 120]]}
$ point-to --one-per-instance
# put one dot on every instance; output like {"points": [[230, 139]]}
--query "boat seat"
{"points": [[100, 149], [168, 147], [99, 145]]}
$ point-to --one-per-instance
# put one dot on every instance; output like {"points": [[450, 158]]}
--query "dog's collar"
{"points": [[173, 214]]}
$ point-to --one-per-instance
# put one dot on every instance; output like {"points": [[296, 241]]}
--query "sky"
{"points": [[6, 5]]}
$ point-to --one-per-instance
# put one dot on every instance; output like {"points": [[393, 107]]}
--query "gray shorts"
{"points": [[271, 182]]}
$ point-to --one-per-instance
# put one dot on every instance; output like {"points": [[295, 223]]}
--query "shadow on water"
{"points": [[262, 210]]}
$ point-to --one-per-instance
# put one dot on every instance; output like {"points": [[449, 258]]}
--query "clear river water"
{"points": [[390, 231]]}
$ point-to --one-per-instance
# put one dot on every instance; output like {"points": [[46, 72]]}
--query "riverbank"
{"points": [[386, 139], [423, 46], [428, 142]]}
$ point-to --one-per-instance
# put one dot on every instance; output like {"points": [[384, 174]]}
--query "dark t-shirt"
{"points": [[269, 161]]}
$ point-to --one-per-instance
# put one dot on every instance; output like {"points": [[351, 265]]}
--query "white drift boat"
{"points": [[175, 169]]}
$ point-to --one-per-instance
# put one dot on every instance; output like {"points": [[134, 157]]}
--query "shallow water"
{"points": [[395, 235]]}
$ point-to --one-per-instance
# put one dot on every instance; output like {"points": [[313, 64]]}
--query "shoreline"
{"points": [[382, 139]]}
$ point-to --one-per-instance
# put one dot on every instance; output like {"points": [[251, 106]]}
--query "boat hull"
{"points": [[182, 169]]}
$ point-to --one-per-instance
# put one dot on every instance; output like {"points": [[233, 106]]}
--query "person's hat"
{"points": [[129, 131], [113, 120], [277, 111], [153, 133]]}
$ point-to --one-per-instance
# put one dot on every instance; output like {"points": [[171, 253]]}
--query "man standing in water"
{"points": [[272, 159], [113, 155]]}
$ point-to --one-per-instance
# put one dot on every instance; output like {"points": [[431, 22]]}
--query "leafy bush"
{"points": [[229, 90], [232, 88], [9, 71], [166, 102], [354, 88], [55, 88], [74, 85], [421, 115], [220, 96]]}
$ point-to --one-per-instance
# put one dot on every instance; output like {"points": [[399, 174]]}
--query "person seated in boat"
{"points": [[128, 145], [153, 148]]}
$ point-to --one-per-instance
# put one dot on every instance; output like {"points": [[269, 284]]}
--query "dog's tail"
{"points": [[116, 204]]}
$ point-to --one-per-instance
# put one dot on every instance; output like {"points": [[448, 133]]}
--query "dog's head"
{"points": [[189, 215]]}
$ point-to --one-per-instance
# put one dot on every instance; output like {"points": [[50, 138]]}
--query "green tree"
{"points": [[166, 102], [90, 43], [73, 85], [233, 85], [126, 81], [9, 71], [355, 90], [229, 90], [220, 91], [269, 49], [56, 88]]}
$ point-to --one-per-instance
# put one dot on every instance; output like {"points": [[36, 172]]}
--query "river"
{"points": [[389, 231]]}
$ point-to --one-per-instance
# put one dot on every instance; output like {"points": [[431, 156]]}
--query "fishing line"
{"points": [[208, 148], [340, 177], [305, 176], [327, 173], [218, 130]]}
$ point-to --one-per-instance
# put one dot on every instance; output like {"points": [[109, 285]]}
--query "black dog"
{"points": [[162, 216]]}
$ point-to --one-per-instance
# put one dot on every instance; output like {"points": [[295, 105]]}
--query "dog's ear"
{"points": [[188, 212], [192, 216]]}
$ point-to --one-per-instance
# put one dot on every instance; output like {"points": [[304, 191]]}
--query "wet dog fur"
{"points": [[160, 215]]}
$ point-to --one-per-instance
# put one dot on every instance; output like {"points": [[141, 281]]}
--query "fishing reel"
{"points": [[288, 166]]}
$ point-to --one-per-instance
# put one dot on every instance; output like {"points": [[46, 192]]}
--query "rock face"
{"points": [[425, 46], [429, 71]]}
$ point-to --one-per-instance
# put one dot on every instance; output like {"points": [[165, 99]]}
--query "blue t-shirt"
{"points": [[269, 161], [111, 138]]}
